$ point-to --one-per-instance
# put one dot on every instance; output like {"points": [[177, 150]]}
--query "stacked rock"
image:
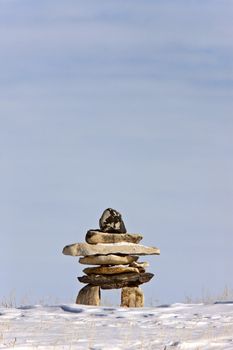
{"points": [[116, 254]]}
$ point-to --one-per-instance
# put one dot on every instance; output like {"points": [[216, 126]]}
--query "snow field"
{"points": [[177, 326]]}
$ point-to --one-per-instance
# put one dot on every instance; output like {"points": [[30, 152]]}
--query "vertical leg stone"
{"points": [[89, 295], [132, 297], [139, 298]]}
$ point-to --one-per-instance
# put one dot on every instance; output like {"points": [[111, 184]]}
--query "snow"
{"points": [[177, 326]]}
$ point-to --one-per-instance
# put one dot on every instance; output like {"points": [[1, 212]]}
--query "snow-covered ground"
{"points": [[178, 326]]}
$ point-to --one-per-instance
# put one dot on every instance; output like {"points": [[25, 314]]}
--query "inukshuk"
{"points": [[116, 253]]}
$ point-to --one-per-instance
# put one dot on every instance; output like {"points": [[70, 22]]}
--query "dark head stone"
{"points": [[112, 222]]}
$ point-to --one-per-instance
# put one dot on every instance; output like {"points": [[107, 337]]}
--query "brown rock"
{"points": [[108, 259], [94, 237], [132, 297], [84, 249], [89, 295], [109, 270], [130, 279], [139, 265]]}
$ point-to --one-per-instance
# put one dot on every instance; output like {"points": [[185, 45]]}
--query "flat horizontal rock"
{"points": [[131, 279], [109, 270], [108, 259], [94, 237], [83, 249]]}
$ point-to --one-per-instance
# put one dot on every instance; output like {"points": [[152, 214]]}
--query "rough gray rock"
{"points": [[111, 221]]}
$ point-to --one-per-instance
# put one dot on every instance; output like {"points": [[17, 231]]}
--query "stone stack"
{"points": [[115, 254]]}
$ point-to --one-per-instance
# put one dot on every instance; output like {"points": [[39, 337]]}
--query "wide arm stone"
{"points": [[84, 249]]}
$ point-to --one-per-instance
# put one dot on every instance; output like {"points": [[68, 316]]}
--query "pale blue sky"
{"points": [[126, 104]]}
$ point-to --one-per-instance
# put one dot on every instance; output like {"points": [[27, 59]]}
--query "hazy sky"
{"points": [[123, 104]]}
